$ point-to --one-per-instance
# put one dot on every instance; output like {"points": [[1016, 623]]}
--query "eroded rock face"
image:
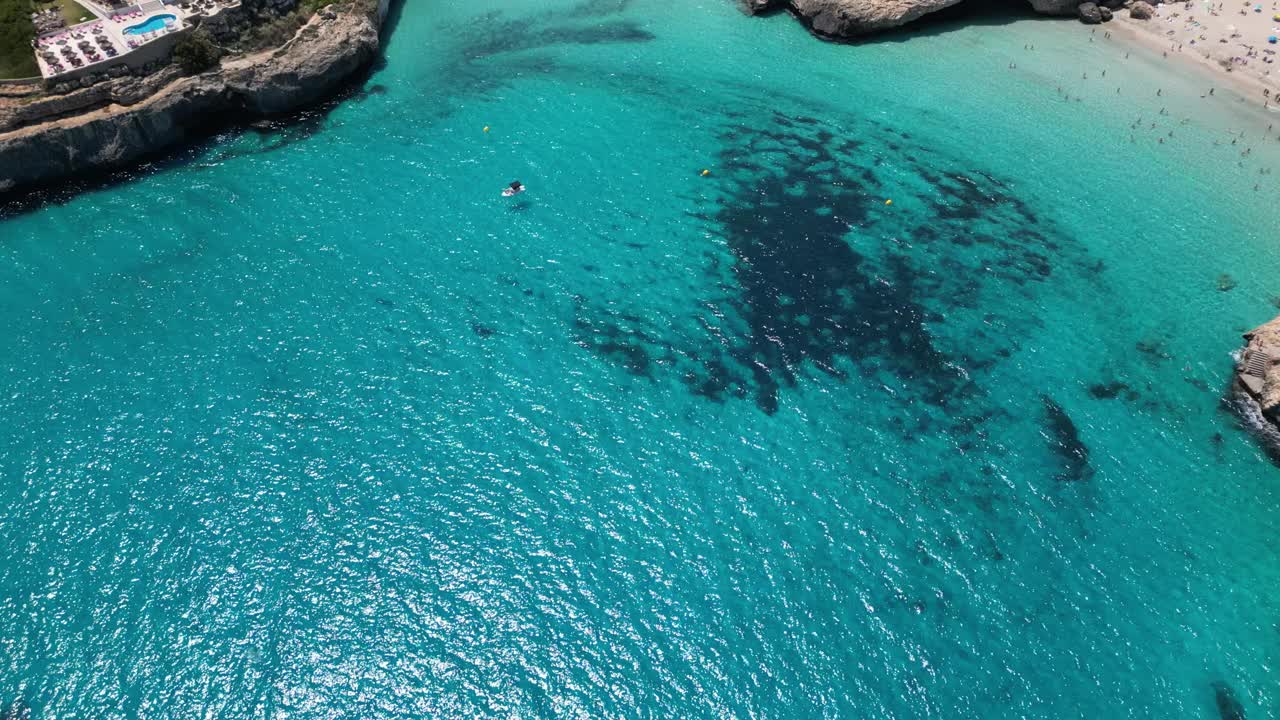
{"points": [[323, 56], [1055, 7], [1258, 371], [849, 18], [844, 19], [1256, 384]]}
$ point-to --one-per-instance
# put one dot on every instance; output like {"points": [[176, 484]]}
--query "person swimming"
{"points": [[513, 188]]}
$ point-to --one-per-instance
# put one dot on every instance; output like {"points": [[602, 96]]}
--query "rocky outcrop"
{"points": [[1258, 371], [134, 118], [1140, 10], [845, 19], [1255, 387], [1089, 13], [1055, 7]]}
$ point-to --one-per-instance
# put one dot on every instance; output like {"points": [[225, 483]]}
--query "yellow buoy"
{"points": [[706, 173], [486, 128], [888, 202]]}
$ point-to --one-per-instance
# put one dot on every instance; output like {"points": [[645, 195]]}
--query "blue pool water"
{"points": [[152, 24], [341, 432]]}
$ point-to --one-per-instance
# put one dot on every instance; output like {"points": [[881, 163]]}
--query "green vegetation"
{"points": [[280, 30], [196, 52], [71, 10], [16, 32]]}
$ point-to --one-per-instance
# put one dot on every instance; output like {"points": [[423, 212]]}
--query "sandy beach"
{"points": [[1228, 39]]}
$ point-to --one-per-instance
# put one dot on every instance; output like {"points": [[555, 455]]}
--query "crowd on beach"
{"points": [[1241, 39], [1162, 127]]}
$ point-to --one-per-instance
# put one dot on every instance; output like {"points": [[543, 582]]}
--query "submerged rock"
{"points": [[1140, 10], [1090, 13], [1064, 440], [1229, 707]]}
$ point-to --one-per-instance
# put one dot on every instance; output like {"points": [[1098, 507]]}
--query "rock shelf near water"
{"points": [[1256, 384], [844, 19], [120, 121]]}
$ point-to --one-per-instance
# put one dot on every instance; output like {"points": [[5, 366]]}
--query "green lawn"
{"points": [[72, 11]]}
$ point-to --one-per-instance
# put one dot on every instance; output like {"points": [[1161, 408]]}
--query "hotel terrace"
{"points": [[119, 34]]}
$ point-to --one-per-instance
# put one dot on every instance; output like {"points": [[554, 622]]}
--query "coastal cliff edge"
{"points": [[114, 124], [1256, 384]]}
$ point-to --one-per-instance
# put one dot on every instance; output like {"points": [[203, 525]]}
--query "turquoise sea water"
{"points": [[338, 432]]}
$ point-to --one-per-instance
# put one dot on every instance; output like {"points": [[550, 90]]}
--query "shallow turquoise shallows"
{"points": [[341, 432], [153, 23]]}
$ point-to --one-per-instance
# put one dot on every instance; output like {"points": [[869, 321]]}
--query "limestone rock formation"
{"points": [[1256, 384], [1258, 371], [323, 55], [1089, 13], [1140, 10], [844, 19], [847, 18], [1055, 7]]}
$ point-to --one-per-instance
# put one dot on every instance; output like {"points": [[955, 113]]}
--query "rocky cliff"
{"points": [[100, 128], [1256, 387], [843, 19]]}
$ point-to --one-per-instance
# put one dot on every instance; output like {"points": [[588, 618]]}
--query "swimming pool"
{"points": [[153, 23]]}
